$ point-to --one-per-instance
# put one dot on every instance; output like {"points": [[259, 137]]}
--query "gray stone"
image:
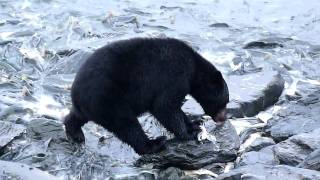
{"points": [[246, 127], [22, 33], [219, 25], [13, 170], [140, 176], [195, 155], [172, 173], [249, 131], [272, 42], [217, 168], [188, 155], [58, 83], [267, 172], [312, 161], [249, 94], [226, 135], [260, 143], [292, 126], [298, 116], [44, 129], [262, 45], [9, 131], [70, 64], [6, 111], [295, 149], [264, 156], [252, 93]]}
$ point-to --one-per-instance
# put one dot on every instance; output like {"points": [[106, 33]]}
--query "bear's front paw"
{"points": [[156, 145], [194, 126], [194, 134], [76, 136], [188, 136]]}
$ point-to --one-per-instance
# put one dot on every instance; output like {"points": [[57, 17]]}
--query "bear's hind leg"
{"points": [[73, 123]]}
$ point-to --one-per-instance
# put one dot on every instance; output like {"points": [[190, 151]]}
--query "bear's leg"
{"points": [[174, 121], [73, 123], [129, 131], [194, 125], [168, 112]]}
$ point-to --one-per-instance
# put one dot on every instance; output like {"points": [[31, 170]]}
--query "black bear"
{"points": [[124, 79]]}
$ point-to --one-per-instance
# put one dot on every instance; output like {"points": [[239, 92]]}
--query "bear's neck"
{"points": [[204, 71]]}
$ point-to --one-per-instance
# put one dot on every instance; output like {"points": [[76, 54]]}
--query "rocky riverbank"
{"points": [[269, 56]]}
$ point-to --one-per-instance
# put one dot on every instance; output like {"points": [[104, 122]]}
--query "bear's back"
{"points": [[137, 69]]}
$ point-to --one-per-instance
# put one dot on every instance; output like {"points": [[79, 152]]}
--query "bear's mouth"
{"points": [[221, 116]]}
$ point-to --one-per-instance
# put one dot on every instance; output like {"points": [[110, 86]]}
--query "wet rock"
{"points": [[219, 25], [244, 63], [12, 110], [84, 164], [13, 170], [259, 143], [156, 27], [281, 130], [70, 64], [144, 175], [137, 11], [4, 42], [195, 155], [295, 118], [9, 131], [171, 7], [247, 126], [297, 148], [269, 43], [13, 21], [249, 94], [263, 45], [249, 132], [262, 172], [58, 83], [172, 173], [226, 135], [39, 157], [22, 33], [312, 161], [188, 155], [44, 129], [264, 156], [216, 168], [314, 50], [252, 93], [120, 21], [65, 52], [200, 174]]}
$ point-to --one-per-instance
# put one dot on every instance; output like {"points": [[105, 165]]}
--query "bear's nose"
{"points": [[221, 116]]}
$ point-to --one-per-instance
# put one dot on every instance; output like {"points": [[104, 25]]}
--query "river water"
{"points": [[37, 35]]}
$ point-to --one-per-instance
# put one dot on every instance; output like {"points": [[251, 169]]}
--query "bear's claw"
{"points": [[76, 137], [194, 127], [156, 145]]}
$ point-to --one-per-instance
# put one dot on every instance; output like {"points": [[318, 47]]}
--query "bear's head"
{"points": [[213, 96]]}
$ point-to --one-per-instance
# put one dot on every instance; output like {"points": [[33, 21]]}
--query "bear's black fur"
{"points": [[124, 79]]}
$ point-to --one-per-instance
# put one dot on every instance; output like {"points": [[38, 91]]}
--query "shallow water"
{"points": [[36, 35]]}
